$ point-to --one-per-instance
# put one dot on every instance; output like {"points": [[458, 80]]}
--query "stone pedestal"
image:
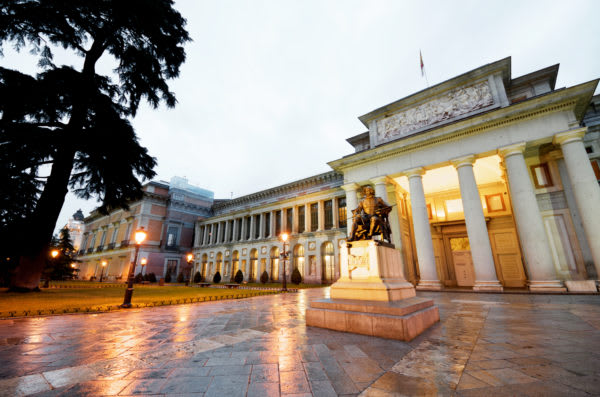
{"points": [[372, 297]]}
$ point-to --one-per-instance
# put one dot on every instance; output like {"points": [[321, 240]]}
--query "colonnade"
{"points": [[532, 234]]}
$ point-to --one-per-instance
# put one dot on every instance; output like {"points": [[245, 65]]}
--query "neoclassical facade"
{"points": [[493, 179], [244, 233]]}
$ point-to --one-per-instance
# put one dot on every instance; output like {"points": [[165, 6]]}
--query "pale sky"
{"points": [[271, 89]]}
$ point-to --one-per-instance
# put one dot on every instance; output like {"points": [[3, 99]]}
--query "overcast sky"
{"points": [[271, 89]]}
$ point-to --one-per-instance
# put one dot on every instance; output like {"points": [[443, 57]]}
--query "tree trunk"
{"points": [[37, 235]]}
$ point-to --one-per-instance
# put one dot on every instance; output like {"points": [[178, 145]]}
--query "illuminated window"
{"points": [[301, 221], [342, 216], [454, 207], [328, 207]]}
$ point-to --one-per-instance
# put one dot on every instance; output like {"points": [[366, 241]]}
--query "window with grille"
{"points": [[314, 217], [343, 218], [301, 220], [328, 207], [289, 220], [277, 223]]}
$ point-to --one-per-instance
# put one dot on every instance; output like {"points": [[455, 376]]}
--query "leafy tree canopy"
{"points": [[76, 121]]}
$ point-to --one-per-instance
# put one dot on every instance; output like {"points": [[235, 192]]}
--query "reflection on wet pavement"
{"points": [[485, 344]]}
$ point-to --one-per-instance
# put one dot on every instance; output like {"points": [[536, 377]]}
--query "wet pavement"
{"points": [[485, 344]]}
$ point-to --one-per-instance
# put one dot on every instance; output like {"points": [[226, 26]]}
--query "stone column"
{"points": [[335, 212], [235, 227], [425, 255], [321, 215], [351, 203], [243, 226], [585, 187], [261, 226], [532, 233], [252, 226], [307, 218], [273, 220], [481, 249], [227, 231], [295, 220]]}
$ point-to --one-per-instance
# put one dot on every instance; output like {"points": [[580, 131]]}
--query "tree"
{"points": [[61, 268], [77, 121], [217, 278], [296, 276], [239, 277]]}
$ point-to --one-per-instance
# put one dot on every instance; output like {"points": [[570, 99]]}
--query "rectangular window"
{"points": [[267, 218], [239, 229], [113, 238], [85, 239], [314, 217], [301, 220], [596, 169], [248, 221], [343, 218], [171, 268], [128, 232], [256, 226], [103, 239], [278, 223], [171, 236], [328, 207], [289, 220], [541, 175], [222, 232], [230, 235], [495, 202]]}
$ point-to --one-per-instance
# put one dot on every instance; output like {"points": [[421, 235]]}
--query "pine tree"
{"points": [[77, 121], [61, 268]]}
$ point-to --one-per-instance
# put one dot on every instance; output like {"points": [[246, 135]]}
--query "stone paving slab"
{"points": [[485, 344]]}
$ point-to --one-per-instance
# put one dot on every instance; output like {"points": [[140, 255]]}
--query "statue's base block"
{"points": [[402, 320]]}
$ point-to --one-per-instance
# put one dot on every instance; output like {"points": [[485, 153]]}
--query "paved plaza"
{"points": [[485, 345]]}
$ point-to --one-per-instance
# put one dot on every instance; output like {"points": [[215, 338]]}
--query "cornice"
{"points": [[556, 101]]}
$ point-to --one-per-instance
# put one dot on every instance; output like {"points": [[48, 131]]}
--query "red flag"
{"points": [[422, 64]]}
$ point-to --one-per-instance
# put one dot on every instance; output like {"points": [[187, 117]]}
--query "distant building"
{"points": [[167, 211], [75, 225], [493, 178]]}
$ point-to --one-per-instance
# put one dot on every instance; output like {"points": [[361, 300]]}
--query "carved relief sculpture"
{"points": [[450, 105]]}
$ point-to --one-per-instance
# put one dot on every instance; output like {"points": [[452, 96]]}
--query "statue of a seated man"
{"points": [[370, 218]]}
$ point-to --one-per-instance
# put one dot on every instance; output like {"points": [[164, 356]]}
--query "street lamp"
{"points": [[190, 258], [139, 236], [284, 256], [54, 253], [103, 263]]}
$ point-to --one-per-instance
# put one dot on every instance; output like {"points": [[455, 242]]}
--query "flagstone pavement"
{"points": [[485, 345]]}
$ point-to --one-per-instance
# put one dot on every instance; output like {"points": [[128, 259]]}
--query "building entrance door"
{"points": [[463, 262]]}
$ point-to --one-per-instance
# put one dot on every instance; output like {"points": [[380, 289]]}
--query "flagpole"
{"points": [[423, 72]]}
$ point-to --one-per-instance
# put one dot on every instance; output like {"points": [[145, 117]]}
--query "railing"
{"points": [[90, 250], [124, 243], [110, 246], [100, 248]]}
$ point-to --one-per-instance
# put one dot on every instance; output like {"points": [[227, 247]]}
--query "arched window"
{"points": [[299, 259], [274, 264], [219, 263], [253, 264], [204, 264], [327, 262]]}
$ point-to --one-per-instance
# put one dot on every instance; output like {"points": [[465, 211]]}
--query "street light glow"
{"points": [[284, 236], [140, 235], [190, 257], [143, 261], [54, 253], [104, 263]]}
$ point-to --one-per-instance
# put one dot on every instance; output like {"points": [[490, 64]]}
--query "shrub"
{"points": [[151, 277], [217, 278], [168, 278], [296, 276], [198, 277], [180, 278], [239, 277], [264, 277], [138, 278]]}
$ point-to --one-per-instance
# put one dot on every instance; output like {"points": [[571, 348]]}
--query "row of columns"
{"points": [[214, 234], [530, 227]]}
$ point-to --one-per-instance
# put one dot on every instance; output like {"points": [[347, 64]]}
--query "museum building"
{"points": [[493, 182], [167, 211]]}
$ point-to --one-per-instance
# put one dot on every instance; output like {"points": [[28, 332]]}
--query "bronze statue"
{"points": [[370, 218]]}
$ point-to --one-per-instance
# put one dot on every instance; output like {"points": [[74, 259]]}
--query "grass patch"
{"points": [[77, 300]]}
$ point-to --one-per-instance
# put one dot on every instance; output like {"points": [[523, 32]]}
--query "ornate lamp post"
{"points": [[190, 259], [284, 256], [53, 254], [140, 236], [103, 263]]}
